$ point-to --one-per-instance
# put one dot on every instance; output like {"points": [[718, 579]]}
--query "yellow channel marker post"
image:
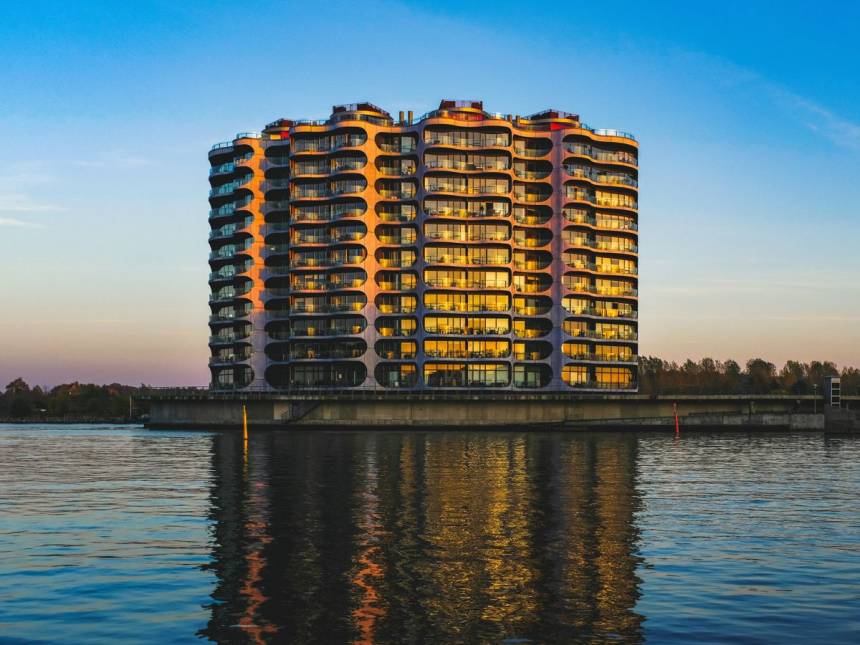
{"points": [[245, 423]]}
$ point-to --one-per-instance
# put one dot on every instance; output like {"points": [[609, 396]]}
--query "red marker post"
{"points": [[677, 425]]}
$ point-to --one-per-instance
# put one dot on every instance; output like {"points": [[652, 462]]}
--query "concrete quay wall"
{"points": [[471, 412]]}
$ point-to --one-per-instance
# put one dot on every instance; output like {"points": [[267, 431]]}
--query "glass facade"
{"points": [[460, 251]]}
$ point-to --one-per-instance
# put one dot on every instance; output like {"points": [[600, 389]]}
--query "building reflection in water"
{"points": [[424, 537]]}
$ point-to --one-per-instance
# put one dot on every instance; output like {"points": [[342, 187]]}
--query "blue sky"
{"points": [[748, 115]]}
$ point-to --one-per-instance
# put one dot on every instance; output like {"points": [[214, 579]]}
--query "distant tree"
{"points": [[18, 386], [793, 378], [733, 380], [761, 376], [851, 381], [817, 370]]}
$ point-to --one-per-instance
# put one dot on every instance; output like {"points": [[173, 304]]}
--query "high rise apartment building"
{"points": [[462, 250]]}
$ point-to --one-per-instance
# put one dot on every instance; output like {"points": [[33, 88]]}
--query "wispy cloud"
{"points": [[116, 159], [814, 116], [839, 130], [17, 181], [17, 223], [23, 203]]}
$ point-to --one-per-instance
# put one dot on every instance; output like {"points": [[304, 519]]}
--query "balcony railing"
{"points": [[460, 189], [584, 150], [450, 164], [435, 139], [614, 179], [601, 313], [600, 358], [222, 168], [400, 148], [465, 213]]}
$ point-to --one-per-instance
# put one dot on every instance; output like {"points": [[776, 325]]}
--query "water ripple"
{"points": [[116, 533]]}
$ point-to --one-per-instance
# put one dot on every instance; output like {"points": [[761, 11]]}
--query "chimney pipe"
{"points": [[410, 117], [401, 117]]}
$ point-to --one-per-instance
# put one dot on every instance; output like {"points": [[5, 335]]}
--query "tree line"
{"points": [[90, 402], [70, 401], [758, 376]]}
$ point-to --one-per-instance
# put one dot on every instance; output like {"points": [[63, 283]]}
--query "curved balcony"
{"points": [[612, 332], [396, 235], [468, 163], [223, 169], [467, 375], [465, 138], [531, 376], [397, 280], [392, 212], [310, 376], [396, 375], [534, 350], [466, 210], [340, 209], [600, 177], [225, 276], [462, 233], [460, 349], [230, 359], [396, 167], [572, 238], [231, 316], [532, 327], [396, 327], [580, 285], [226, 253], [573, 193], [447, 186], [396, 350], [532, 283], [306, 306], [532, 215], [467, 325], [396, 190], [600, 155], [461, 254], [532, 193], [355, 138], [275, 186], [401, 144], [532, 238], [222, 212], [229, 230], [396, 304], [532, 260], [223, 339], [591, 311], [328, 326], [467, 302], [529, 148], [306, 350], [221, 153], [330, 259], [390, 258], [532, 305], [581, 352], [468, 279], [532, 171]]}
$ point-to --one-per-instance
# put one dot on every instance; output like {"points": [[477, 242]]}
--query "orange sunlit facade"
{"points": [[462, 250]]}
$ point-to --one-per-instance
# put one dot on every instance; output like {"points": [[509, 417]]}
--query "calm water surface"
{"points": [[120, 534]]}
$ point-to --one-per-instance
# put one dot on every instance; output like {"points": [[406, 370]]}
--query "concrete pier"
{"points": [[204, 409]]}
